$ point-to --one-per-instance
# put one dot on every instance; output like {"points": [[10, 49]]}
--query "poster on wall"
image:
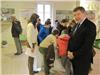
{"points": [[62, 14], [6, 13], [26, 13]]}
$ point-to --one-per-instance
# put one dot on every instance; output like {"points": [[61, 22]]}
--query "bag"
{"points": [[62, 43], [22, 37], [23, 40], [28, 52]]}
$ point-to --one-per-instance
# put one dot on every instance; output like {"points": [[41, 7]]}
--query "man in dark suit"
{"points": [[81, 42]]}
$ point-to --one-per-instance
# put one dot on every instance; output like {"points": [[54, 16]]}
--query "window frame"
{"points": [[45, 3]]}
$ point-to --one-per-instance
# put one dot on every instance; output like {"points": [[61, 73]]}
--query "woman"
{"points": [[32, 51]]}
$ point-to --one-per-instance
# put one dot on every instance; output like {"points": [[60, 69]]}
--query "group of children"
{"points": [[57, 42]]}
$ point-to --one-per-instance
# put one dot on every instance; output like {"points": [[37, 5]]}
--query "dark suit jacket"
{"points": [[16, 28], [81, 43]]}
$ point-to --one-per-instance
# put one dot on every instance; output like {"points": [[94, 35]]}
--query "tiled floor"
{"points": [[17, 65]]}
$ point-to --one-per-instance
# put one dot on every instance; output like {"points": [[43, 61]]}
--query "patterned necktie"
{"points": [[77, 26]]}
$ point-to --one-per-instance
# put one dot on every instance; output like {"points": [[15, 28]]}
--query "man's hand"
{"points": [[70, 55], [32, 50]]}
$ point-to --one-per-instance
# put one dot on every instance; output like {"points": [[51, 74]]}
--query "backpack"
{"points": [[62, 43]]}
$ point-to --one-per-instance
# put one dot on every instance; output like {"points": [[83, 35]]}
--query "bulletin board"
{"points": [[6, 13], [62, 14], [25, 13]]}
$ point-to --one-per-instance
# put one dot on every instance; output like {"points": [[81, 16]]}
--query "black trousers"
{"points": [[81, 67]]}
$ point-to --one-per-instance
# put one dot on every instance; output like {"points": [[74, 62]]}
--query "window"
{"points": [[44, 11]]}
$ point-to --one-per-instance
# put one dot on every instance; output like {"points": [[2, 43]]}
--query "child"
{"points": [[44, 48], [50, 56], [62, 43]]}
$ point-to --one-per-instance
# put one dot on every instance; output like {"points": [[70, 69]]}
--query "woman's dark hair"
{"points": [[33, 18], [55, 32]]}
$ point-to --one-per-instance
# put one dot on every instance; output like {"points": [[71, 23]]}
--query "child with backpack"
{"points": [[62, 43]]}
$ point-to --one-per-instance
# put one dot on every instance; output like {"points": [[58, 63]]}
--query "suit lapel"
{"points": [[81, 28]]}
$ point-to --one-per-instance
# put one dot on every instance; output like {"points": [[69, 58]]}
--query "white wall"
{"points": [[18, 5], [98, 20], [65, 5], [30, 5], [22, 8]]}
